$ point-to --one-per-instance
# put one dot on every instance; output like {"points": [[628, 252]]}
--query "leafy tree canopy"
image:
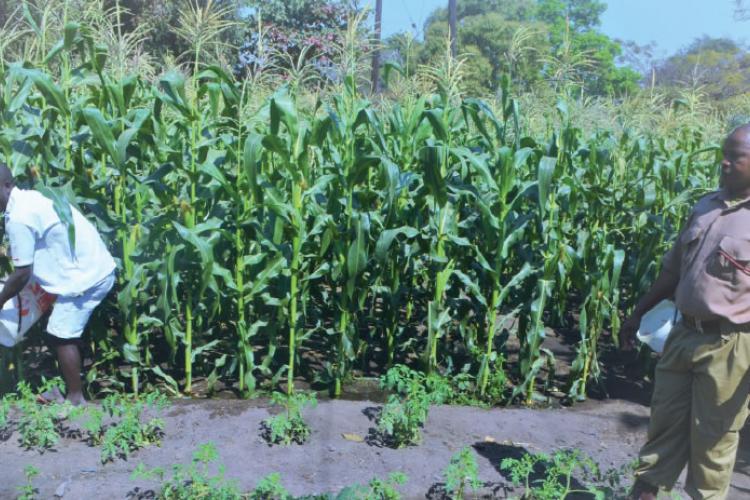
{"points": [[720, 65], [530, 40]]}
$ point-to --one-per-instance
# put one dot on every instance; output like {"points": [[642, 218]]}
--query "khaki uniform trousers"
{"points": [[699, 405]]}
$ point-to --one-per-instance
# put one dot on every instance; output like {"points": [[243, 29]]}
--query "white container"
{"points": [[657, 323], [26, 308]]}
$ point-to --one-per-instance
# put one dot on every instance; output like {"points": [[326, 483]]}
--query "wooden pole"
{"points": [[452, 21], [376, 52]]}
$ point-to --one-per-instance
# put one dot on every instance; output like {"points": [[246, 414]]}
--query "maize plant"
{"points": [[263, 234]]}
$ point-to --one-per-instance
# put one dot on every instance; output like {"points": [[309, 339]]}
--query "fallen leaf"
{"points": [[353, 437]]}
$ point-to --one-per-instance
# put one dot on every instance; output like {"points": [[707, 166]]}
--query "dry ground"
{"points": [[610, 431]]}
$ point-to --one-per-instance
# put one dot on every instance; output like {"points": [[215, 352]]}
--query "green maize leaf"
{"points": [[205, 252], [51, 92], [131, 353], [321, 271], [471, 108], [70, 33], [263, 278], [251, 158], [101, 52], [478, 164], [275, 202], [388, 68], [124, 140], [30, 19], [515, 281], [385, 240], [102, 132], [225, 275], [173, 84], [19, 97], [126, 296], [435, 118], [62, 207], [283, 111], [172, 383], [200, 350], [356, 258], [431, 158], [514, 237], [53, 52], [521, 156], [545, 173], [471, 286]]}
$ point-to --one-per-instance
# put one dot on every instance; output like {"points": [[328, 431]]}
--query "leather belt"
{"points": [[715, 325]]}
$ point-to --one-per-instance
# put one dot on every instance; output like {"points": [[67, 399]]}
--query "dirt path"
{"points": [[609, 431]]}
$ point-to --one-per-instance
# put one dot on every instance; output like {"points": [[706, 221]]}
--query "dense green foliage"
{"points": [[263, 235]]}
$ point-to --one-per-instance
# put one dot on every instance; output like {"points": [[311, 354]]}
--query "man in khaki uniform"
{"points": [[702, 382]]}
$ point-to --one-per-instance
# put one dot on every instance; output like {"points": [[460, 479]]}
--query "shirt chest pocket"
{"points": [[689, 243], [730, 262]]}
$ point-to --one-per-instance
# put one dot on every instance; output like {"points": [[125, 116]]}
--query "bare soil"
{"points": [[610, 431]]}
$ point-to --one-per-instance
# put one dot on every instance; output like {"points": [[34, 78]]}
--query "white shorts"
{"points": [[71, 313]]}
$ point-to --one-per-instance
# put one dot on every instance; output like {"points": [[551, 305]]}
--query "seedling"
{"points": [[461, 473], [289, 427], [127, 432], [28, 491], [376, 489], [405, 413], [194, 481], [556, 481], [270, 488], [38, 424]]}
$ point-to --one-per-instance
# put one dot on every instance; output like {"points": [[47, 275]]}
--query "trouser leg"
{"points": [[667, 449], [720, 399]]}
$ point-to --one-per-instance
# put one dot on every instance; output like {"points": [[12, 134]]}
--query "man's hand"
{"points": [[628, 330]]}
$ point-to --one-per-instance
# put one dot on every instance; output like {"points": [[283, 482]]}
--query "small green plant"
{"points": [[289, 427], [459, 389], [194, 481], [270, 488], [5, 406], [401, 420], [557, 479], [127, 431], [379, 489], [38, 424], [462, 472], [28, 491]]}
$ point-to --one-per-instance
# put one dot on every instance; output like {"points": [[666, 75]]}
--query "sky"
{"points": [[672, 24]]}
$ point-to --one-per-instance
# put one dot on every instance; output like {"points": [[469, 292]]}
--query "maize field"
{"points": [[313, 237]]}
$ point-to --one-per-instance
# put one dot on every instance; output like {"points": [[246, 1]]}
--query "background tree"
{"points": [[529, 40], [292, 33], [720, 66]]}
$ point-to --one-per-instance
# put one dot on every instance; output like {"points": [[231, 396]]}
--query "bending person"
{"points": [[80, 275]]}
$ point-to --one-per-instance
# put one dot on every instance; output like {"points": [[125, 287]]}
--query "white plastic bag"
{"points": [[27, 307], [657, 323]]}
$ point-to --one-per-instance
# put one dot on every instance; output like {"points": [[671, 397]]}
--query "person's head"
{"points": [[6, 185], [735, 167]]}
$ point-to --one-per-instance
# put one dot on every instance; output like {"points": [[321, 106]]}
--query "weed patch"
{"points": [[126, 431], [288, 427], [564, 473]]}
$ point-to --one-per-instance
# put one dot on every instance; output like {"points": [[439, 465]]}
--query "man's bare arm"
{"points": [[15, 283]]}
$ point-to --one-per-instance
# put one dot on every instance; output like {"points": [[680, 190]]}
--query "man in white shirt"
{"points": [[80, 274]]}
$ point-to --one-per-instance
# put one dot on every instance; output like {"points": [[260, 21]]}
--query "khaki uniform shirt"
{"points": [[712, 258]]}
